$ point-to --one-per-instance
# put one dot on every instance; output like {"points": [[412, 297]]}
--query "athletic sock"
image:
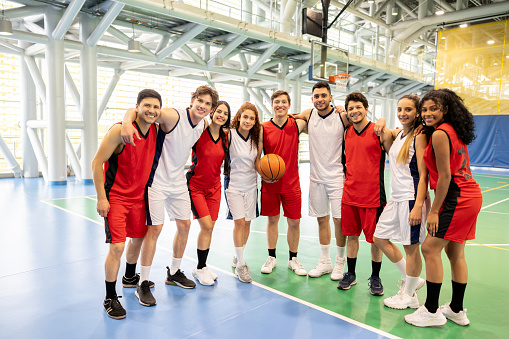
{"points": [[144, 273], [325, 249], [458, 292], [411, 284], [375, 268], [293, 255], [272, 252], [130, 270], [110, 289], [239, 252], [341, 251], [202, 258], [175, 265], [401, 265], [351, 264], [432, 296]]}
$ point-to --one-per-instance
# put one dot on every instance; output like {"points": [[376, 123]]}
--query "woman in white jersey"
{"points": [[404, 217], [241, 185]]}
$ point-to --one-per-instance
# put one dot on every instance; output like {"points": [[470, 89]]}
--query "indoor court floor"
{"points": [[52, 278]]}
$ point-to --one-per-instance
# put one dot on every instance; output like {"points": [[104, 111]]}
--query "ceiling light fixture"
{"points": [[394, 11], [463, 25], [133, 45], [5, 24], [491, 42], [440, 12]]}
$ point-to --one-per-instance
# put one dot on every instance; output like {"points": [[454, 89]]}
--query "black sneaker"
{"points": [[347, 281], [133, 281], [144, 294], [179, 279], [375, 286], [113, 308]]}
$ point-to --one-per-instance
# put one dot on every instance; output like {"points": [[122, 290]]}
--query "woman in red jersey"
{"points": [[453, 215], [204, 183]]}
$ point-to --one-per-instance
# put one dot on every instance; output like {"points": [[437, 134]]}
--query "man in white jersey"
{"points": [[167, 187]]}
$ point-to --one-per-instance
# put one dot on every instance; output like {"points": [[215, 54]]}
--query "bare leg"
{"points": [[376, 253], [413, 260], [431, 250], [338, 233], [456, 254], [293, 234], [132, 251], [148, 249], [112, 263], [389, 249], [352, 246], [205, 235], [272, 231], [324, 232], [247, 230], [180, 239], [238, 232]]}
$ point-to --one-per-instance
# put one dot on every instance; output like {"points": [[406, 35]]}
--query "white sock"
{"points": [[325, 249], [144, 273], [341, 251], [411, 284], [401, 265], [175, 265], [239, 252]]}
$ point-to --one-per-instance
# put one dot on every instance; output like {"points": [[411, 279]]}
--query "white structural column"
{"points": [[28, 112], [88, 105], [55, 98], [296, 97]]}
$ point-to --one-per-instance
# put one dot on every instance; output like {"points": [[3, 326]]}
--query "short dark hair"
{"points": [[321, 84], [149, 93], [279, 93], [203, 90], [356, 96]]}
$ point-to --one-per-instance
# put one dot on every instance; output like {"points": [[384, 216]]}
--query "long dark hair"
{"points": [[224, 138], [455, 112], [254, 132]]}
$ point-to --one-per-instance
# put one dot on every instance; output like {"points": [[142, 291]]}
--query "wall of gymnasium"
{"points": [[474, 62]]}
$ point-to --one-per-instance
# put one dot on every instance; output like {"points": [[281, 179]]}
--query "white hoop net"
{"points": [[341, 81]]}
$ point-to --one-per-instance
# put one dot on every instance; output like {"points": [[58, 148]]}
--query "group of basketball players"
{"points": [[144, 174]]}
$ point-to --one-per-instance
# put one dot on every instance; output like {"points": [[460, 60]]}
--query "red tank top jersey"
{"points": [[126, 173], [208, 155], [365, 163], [283, 141], [462, 182]]}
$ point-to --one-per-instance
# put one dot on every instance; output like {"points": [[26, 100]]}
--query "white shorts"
{"points": [[393, 223], [178, 205], [242, 204], [324, 198]]}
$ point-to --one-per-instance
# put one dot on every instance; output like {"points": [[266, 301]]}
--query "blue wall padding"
{"points": [[491, 147]]}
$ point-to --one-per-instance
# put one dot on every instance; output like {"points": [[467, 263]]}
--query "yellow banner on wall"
{"points": [[474, 62]]}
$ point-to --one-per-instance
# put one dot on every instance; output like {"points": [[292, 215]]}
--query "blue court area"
{"points": [[52, 282]]}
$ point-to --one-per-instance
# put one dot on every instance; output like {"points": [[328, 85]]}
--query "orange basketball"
{"points": [[272, 166]]}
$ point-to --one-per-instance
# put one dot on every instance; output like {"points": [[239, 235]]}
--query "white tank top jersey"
{"points": [[404, 177], [170, 160], [243, 176], [325, 146]]}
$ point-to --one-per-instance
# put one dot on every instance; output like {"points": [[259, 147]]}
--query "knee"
{"points": [[323, 221], [184, 226], [379, 242], [117, 249], [427, 251], [207, 229], [153, 232]]}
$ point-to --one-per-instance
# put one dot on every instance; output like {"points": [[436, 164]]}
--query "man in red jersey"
{"points": [[281, 137], [363, 192], [120, 198]]}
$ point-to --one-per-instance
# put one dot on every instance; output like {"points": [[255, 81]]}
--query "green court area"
{"points": [[487, 255]]}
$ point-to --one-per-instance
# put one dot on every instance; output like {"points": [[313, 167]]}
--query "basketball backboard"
{"points": [[327, 60]]}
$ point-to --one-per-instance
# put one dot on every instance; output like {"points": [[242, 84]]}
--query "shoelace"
{"points": [[115, 304], [145, 286]]}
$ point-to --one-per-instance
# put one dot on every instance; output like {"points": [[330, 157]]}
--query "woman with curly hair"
{"points": [[204, 184], [453, 215], [241, 185]]}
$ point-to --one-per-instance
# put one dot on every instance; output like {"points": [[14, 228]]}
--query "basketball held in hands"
{"points": [[272, 167]]}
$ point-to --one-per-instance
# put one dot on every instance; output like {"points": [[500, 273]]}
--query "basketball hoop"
{"points": [[341, 81]]}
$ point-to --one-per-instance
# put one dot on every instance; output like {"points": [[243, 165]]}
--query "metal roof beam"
{"points": [[257, 64], [105, 22], [67, 19], [227, 49], [180, 41]]}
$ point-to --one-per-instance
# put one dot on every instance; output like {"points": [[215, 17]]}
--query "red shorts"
{"points": [[291, 201], [125, 219], [205, 201], [457, 218], [354, 219]]}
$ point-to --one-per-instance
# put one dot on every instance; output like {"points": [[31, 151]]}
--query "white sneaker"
{"points": [[242, 272], [210, 273], [203, 277], [269, 265], [459, 318], [423, 318], [234, 262], [324, 267], [420, 284], [339, 269], [402, 300], [296, 266]]}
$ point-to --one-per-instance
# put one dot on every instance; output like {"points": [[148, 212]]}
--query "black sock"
{"points": [[458, 292], [272, 252], [432, 296], [293, 255], [130, 270], [110, 289], [375, 268], [351, 264], [202, 258]]}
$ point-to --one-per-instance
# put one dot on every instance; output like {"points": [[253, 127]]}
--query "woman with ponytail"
{"points": [[404, 217], [204, 184]]}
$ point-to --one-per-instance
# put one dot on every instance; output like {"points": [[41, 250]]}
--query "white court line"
{"points": [[495, 203], [303, 302], [91, 198], [71, 212], [66, 198], [494, 212]]}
